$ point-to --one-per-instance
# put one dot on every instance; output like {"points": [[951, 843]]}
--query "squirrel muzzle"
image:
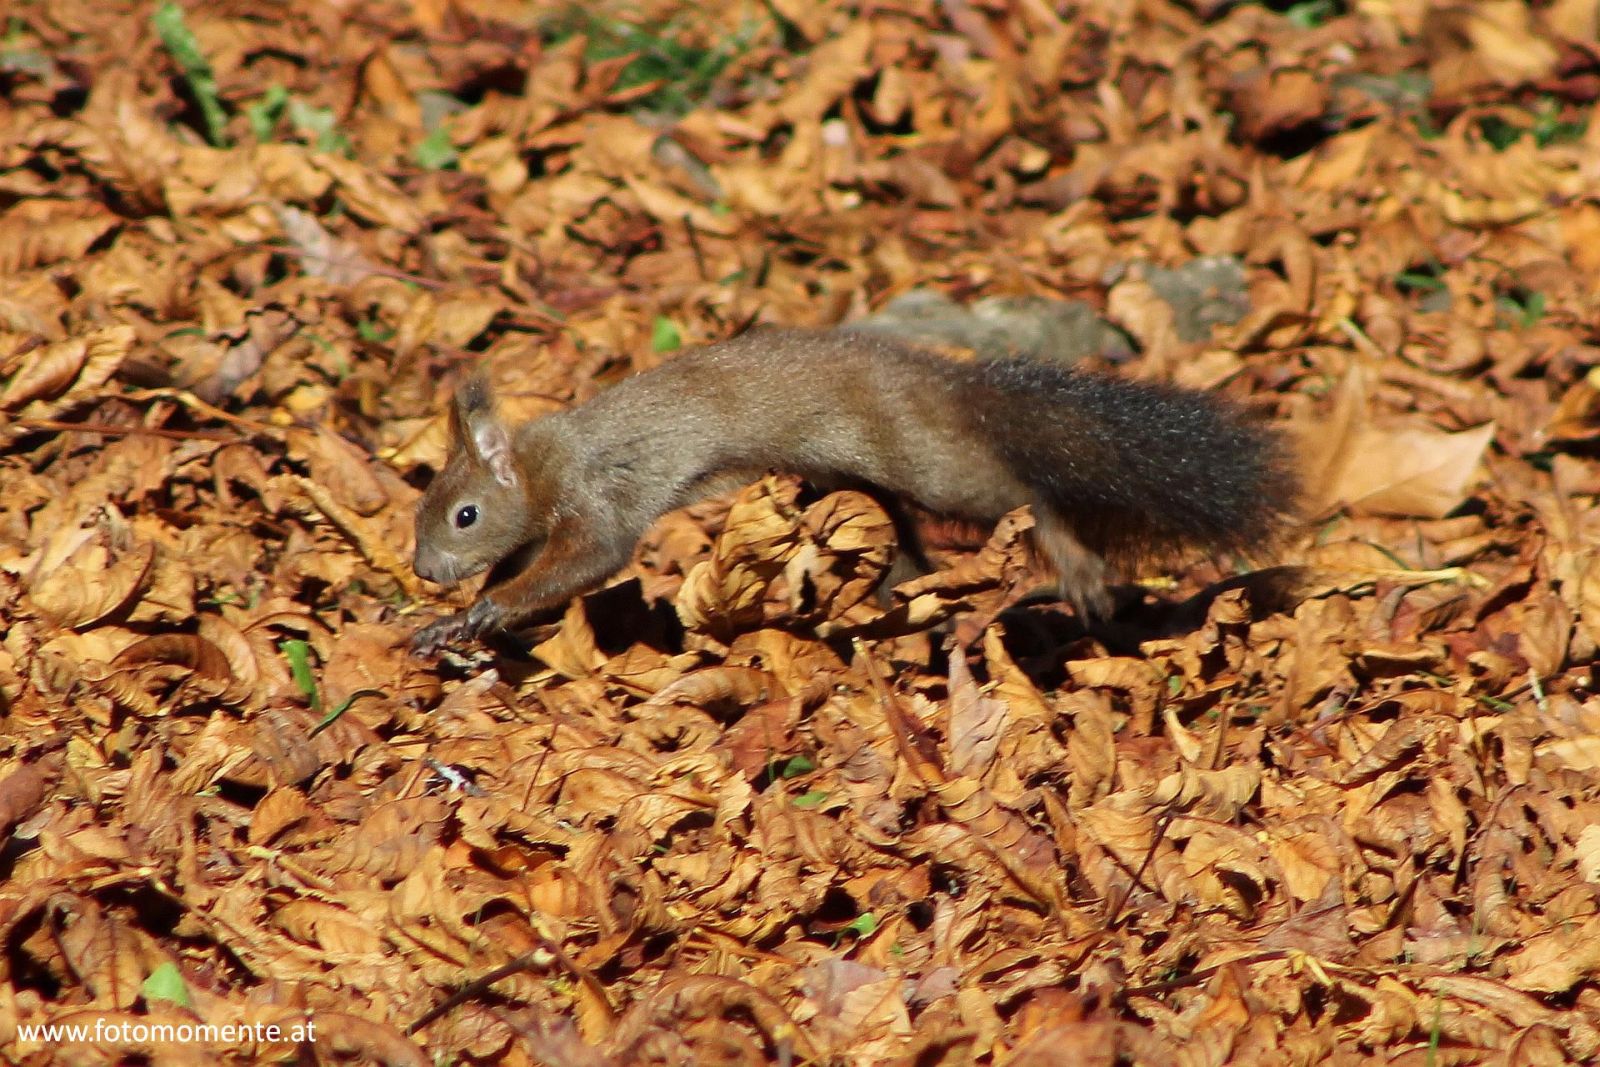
{"points": [[434, 566]]}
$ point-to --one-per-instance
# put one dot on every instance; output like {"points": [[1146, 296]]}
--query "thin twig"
{"points": [[548, 950], [113, 431], [525, 962], [1155, 989], [1115, 902], [189, 400]]}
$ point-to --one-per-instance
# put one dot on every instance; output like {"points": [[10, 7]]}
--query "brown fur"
{"points": [[1114, 469]]}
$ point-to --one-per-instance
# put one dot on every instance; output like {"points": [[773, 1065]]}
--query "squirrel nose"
{"points": [[427, 565]]}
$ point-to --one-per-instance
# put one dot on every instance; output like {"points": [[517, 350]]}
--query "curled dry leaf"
{"points": [[985, 584], [1308, 860], [52, 378], [172, 670], [241, 658], [372, 539], [724, 690], [726, 591], [1466, 36], [370, 195], [847, 543], [571, 651], [1405, 469], [323, 255], [40, 232], [984, 833], [23, 789], [92, 582], [1555, 962]]}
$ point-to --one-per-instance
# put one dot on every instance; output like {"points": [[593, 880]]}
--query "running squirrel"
{"points": [[1116, 471]]}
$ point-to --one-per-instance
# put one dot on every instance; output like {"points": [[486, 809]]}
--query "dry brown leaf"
{"points": [[1336, 810], [54, 377], [1556, 961], [758, 538], [92, 582], [1407, 470], [977, 721], [39, 232]]}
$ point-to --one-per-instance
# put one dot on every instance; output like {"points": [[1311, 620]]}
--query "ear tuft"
{"points": [[479, 430], [473, 396]]}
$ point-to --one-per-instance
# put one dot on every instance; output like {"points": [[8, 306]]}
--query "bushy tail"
{"points": [[1139, 469]]}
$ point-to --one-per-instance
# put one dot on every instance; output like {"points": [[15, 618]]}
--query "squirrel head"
{"points": [[474, 513]]}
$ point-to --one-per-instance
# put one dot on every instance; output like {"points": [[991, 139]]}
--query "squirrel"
{"points": [[1116, 471]]}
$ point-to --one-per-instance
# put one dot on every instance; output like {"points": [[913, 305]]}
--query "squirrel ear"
{"points": [[477, 429]]}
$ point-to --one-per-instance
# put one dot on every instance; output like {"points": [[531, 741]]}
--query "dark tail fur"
{"points": [[1139, 469]]}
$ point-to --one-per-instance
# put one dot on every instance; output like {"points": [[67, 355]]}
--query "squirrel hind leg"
{"points": [[1081, 574], [911, 557]]}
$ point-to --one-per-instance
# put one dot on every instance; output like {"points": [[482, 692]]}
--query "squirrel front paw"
{"points": [[479, 619]]}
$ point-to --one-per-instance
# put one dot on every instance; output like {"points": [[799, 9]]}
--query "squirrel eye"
{"points": [[466, 515]]}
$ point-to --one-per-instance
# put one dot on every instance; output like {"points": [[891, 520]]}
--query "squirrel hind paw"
{"points": [[1091, 601], [1081, 574]]}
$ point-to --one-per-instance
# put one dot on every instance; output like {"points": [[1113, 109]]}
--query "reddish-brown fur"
{"points": [[1113, 469]]}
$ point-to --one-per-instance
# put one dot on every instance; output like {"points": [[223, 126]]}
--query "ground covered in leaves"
{"points": [[732, 809]]}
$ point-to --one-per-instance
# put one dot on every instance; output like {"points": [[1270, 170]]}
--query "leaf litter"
{"points": [[733, 808]]}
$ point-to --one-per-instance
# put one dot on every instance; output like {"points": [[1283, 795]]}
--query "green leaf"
{"points": [[811, 799], [1533, 309], [1499, 133], [1312, 13], [166, 983], [664, 336], [1427, 129], [795, 766], [184, 48], [369, 330], [318, 126], [664, 57], [435, 151], [333, 716], [265, 113], [1524, 309], [298, 653], [1548, 128], [865, 923], [1411, 279]]}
